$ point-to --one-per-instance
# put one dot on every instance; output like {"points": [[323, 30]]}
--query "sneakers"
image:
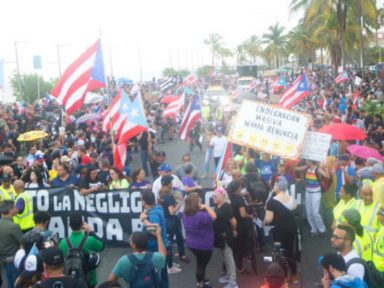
{"points": [[173, 270], [176, 265], [231, 284], [224, 279]]}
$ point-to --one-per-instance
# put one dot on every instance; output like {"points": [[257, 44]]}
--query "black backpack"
{"points": [[373, 277], [74, 261], [143, 274]]}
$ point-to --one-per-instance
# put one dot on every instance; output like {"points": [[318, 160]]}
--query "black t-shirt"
{"points": [[168, 200], [222, 227], [283, 218], [87, 184], [61, 282], [237, 202], [155, 169]]}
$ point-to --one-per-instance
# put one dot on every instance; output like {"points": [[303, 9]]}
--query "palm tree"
{"points": [[241, 55], [224, 53], [301, 44], [252, 47], [276, 44], [214, 41], [338, 9]]}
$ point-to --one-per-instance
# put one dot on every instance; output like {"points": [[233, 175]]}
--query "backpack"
{"points": [[74, 261], [143, 273], [373, 277]]}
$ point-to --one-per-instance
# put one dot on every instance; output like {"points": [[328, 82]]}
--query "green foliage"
{"points": [[29, 87], [203, 71]]}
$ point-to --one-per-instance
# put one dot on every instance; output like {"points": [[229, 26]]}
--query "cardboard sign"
{"points": [[270, 129], [316, 146]]}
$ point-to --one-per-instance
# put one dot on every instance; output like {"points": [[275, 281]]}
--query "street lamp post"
{"points": [[58, 46], [18, 69]]}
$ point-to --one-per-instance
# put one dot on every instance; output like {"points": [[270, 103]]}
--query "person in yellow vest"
{"points": [[363, 243], [23, 205], [378, 186], [378, 245], [347, 201], [206, 111], [7, 192], [368, 208]]}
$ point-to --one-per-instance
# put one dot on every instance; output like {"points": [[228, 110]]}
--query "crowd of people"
{"points": [[343, 196]]}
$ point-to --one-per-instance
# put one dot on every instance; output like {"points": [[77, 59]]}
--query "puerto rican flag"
{"points": [[84, 75], [298, 90], [191, 116], [223, 160], [278, 84], [175, 106], [342, 77], [112, 119], [190, 80], [135, 122]]}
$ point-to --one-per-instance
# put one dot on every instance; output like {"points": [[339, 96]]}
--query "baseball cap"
{"points": [[352, 216], [377, 168], [33, 265], [343, 157], [165, 167], [6, 177], [52, 256], [166, 179]]}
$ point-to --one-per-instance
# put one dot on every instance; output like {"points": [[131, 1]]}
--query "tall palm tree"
{"points": [[276, 43], [301, 44], [224, 53], [339, 9], [252, 47], [241, 54], [214, 42]]}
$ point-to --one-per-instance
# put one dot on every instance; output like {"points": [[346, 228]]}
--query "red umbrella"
{"points": [[342, 131], [168, 99], [364, 152]]}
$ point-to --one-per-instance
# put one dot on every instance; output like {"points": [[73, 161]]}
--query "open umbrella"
{"points": [[89, 118], [364, 152], [32, 136], [342, 131]]}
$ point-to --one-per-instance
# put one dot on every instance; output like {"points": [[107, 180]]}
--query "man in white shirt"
{"points": [[342, 240], [218, 142], [165, 169]]}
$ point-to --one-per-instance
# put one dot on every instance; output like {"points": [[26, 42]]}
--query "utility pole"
{"points": [[19, 84]]}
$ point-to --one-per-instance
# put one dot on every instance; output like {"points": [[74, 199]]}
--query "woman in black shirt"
{"points": [[280, 216]]}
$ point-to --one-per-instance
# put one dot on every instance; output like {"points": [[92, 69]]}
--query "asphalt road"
{"points": [[312, 248]]}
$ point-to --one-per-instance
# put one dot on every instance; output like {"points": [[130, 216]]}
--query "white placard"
{"points": [[270, 129], [316, 146], [358, 80]]}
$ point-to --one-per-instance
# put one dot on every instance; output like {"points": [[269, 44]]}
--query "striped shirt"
{"points": [[312, 184]]}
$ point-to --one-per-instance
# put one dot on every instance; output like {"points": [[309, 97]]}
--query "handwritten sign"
{"points": [[270, 129], [316, 146]]}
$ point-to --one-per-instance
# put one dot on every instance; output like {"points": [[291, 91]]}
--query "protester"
{"points": [[225, 230], [347, 201], [24, 209], [368, 209], [10, 239], [53, 261], [198, 223], [35, 180], [189, 184], [279, 214], [117, 179], [92, 242], [91, 183], [218, 142], [225, 177], [378, 246], [335, 273], [180, 170], [7, 191], [140, 254], [165, 169], [342, 240], [41, 219], [139, 181], [378, 185], [64, 177]]}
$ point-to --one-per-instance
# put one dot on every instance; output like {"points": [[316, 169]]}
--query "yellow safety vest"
{"points": [[206, 110], [363, 246], [368, 215], [378, 190], [341, 207], [378, 250], [7, 194], [25, 219]]}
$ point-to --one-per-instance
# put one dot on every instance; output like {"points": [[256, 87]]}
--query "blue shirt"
{"points": [[156, 216], [267, 168], [339, 180], [71, 180]]}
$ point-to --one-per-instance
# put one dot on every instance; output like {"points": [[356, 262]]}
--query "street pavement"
{"points": [[309, 268]]}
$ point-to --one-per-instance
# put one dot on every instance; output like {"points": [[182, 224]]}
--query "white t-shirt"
{"points": [[356, 269], [156, 186], [218, 144]]}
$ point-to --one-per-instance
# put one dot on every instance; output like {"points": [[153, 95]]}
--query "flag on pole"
{"points": [[112, 119], [190, 80], [175, 106], [298, 90], [84, 75], [167, 84], [191, 116], [342, 77], [223, 160], [1, 73], [279, 83], [135, 122]]}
